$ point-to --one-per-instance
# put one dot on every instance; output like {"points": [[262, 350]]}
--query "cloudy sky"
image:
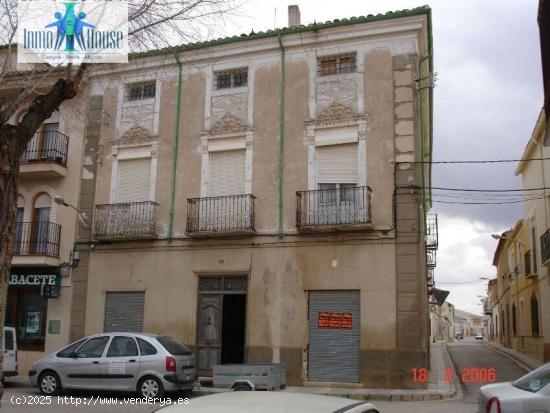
{"points": [[487, 99]]}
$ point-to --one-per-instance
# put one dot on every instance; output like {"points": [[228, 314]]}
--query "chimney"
{"points": [[293, 16]]}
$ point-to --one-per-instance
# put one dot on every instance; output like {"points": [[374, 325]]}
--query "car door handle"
{"points": [[132, 361], [95, 362]]}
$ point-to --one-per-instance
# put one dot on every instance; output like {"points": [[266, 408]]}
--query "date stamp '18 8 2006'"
{"points": [[467, 375]]}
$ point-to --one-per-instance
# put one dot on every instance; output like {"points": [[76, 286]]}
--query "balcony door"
{"points": [[338, 202], [133, 186], [40, 224], [19, 216], [44, 145], [226, 179], [49, 141]]}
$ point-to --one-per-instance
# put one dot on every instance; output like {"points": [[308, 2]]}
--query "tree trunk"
{"points": [[8, 201], [13, 141]]}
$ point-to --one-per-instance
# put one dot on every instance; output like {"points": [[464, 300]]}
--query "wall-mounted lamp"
{"points": [[83, 218]]}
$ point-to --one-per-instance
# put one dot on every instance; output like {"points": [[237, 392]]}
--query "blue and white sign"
{"points": [[63, 32]]}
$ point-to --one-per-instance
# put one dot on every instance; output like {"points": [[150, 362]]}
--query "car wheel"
{"points": [[242, 387], [49, 383], [150, 387]]}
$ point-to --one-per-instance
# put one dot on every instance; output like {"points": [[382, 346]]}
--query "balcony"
{"points": [[341, 209], [545, 247], [45, 156], [126, 221], [432, 237], [39, 238], [221, 215], [487, 310]]}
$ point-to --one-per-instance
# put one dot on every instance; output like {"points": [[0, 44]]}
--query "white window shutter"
{"points": [[134, 180], [226, 173], [337, 164]]}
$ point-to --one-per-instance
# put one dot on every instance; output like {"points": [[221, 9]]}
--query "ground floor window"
{"points": [[27, 310]]}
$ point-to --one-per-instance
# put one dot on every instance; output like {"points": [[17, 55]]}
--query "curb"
{"points": [[521, 363]]}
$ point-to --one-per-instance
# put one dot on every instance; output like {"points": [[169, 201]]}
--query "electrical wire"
{"points": [[478, 162], [474, 189], [459, 283]]}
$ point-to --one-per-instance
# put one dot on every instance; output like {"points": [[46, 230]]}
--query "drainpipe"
{"points": [[281, 138], [175, 154], [422, 133]]}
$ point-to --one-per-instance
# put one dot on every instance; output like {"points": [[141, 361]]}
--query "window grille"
{"points": [[232, 78], [332, 65], [140, 91]]}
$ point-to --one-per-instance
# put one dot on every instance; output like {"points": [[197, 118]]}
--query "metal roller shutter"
{"points": [[334, 352], [134, 179], [124, 312], [226, 173], [337, 164]]}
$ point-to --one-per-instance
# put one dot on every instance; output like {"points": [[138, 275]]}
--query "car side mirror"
{"points": [[74, 355]]}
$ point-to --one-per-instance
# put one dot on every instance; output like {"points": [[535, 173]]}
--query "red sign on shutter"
{"points": [[346, 321], [324, 320], [334, 320]]}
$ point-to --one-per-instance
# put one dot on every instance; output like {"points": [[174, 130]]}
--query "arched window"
{"points": [[534, 316], [514, 330], [41, 223]]}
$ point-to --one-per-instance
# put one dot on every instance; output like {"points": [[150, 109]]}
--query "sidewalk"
{"points": [[523, 360], [437, 389]]}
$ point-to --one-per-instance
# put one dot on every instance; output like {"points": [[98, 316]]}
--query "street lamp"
{"points": [[59, 200], [496, 236]]}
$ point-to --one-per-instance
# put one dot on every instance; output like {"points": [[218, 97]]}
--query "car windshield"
{"points": [[535, 380], [173, 347]]}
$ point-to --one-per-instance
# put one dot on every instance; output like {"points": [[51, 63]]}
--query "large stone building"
{"points": [[263, 198]]}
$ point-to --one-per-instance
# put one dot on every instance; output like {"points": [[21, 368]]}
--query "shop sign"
{"points": [[34, 280], [339, 321]]}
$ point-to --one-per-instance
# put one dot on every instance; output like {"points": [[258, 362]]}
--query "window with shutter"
{"points": [[226, 173], [134, 180], [337, 164]]}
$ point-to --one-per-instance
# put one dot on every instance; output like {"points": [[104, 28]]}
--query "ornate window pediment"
{"points": [[135, 135], [228, 123]]}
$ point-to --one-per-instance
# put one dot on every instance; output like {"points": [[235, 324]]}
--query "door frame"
{"points": [[221, 292]]}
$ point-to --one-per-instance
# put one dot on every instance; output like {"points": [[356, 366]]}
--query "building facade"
{"points": [[442, 322], [40, 288], [515, 300], [259, 198]]}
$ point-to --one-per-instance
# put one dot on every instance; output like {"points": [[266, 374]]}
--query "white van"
{"points": [[9, 347]]}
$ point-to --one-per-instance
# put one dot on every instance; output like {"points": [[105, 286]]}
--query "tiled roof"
{"points": [[287, 30]]}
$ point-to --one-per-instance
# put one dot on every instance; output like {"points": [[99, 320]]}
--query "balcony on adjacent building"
{"points": [[126, 221], [45, 155], [545, 247], [487, 310], [38, 238], [221, 215], [335, 209]]}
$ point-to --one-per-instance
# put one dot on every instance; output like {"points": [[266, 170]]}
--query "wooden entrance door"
{"points": [[209, 331]]}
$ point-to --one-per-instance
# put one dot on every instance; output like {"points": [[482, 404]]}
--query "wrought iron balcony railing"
{"points": [[333, 207], [221, 214], [130, 220], [487, 307], [545, 247], [37, 238], [47, 146], [432, 238]]}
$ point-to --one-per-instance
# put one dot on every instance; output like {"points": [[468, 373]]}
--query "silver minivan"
{"points": [[147, 363]]}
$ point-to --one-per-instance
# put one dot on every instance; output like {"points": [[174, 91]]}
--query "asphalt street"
{"points": [[467, 355]]}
